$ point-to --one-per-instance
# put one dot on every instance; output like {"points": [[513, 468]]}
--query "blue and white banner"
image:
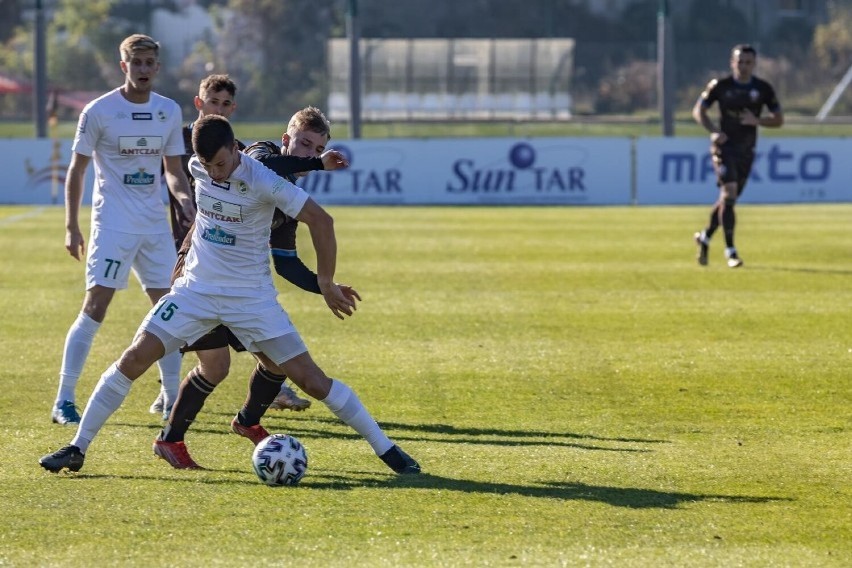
{"points": [[494, 171], [34, 172], [509, 171], [785, 170]]}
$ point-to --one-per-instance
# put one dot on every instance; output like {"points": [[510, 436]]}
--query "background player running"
{"points": [[741, 97]]}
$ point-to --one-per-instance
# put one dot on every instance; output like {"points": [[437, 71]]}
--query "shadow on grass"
{"points": [[757, 267], [302, 425], [631, 497], [628, 497]]}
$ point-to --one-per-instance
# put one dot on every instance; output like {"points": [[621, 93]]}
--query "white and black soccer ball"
{"points": [[279, 460]]}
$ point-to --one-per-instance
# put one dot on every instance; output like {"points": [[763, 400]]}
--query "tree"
{"points": [[278, 56], [832, 43]]}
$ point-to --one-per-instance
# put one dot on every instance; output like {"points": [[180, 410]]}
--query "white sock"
{"points": [[108, 395], [344, 403], [730, 251], [78, 342], [170, 376]]}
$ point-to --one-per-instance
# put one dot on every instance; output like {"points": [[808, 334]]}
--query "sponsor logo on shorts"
{"points": [[219, 210], [130, 146], [139, 178], [219, 236], [142, 116]]}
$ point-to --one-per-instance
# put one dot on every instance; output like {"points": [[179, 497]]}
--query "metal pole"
{"points": [[354, 69], [40, 74], [665, 68], [835, 95]]}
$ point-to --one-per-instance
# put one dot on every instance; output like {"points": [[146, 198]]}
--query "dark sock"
{"points": [[264, 386], [729, 219], [714, 223], [194, 390]]}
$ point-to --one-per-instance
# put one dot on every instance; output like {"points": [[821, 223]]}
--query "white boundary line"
{"points": [[21, 216]]}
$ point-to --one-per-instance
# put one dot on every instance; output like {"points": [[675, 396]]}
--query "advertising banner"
{"points": [[785, 170], [482, 171], [34, 171]]}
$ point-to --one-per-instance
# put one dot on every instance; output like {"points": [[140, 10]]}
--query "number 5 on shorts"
{"points": [[166, 310]]}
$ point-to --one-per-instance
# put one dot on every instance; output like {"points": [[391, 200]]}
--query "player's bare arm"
{"points": [[178, 185], [75, 244], [702, 117], [321, 226]]}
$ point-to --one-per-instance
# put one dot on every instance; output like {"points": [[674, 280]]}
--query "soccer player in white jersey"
{"points": [[128, 133], [227, 281]]}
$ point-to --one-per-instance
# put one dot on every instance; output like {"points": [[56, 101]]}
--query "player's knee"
{"points": [[314, 382], [96, 302], [214, 364], [138, 358]]}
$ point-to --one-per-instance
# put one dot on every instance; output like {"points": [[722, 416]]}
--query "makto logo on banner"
{"points": [[785, 170], [591, 171]]}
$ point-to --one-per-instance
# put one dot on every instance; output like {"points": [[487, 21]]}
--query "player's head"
{"points": [[216, 95], [743, 60], [307, 133], [140, 61], [214, 143]]}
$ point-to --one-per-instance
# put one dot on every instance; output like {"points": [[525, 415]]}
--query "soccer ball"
{"points": [[279, 460]]}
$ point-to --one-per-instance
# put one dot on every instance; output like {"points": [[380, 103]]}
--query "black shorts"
{"points": [[218, 337], [732, 165]]}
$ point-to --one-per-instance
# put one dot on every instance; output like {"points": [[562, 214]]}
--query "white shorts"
{"points": [[186, 316], [112, 254]]}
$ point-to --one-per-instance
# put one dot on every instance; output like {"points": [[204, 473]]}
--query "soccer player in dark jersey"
{"points": [[216, 95], [741, 97]]}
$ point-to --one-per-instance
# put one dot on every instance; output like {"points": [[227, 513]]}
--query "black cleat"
{"points": [[69, 457], [702, 249], [399, 461]]}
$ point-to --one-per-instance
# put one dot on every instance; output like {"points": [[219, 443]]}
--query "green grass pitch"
{"points": [[577, 389]]}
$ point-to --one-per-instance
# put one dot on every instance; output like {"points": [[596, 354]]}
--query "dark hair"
{"points": [[744, 48], [216, 83], [210, 134]]}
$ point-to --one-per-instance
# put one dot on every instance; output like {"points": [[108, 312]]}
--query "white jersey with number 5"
{"points": [[230, 244], [127, 142]]}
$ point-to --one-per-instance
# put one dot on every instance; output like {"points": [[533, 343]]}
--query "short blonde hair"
{"points": [[137, 42], [310, 118]]}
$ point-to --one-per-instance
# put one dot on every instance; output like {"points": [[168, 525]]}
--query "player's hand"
{"points": [[333, 160], [718, 138], [339, 302], [747, 118], [75, 244], [349, 292]]}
